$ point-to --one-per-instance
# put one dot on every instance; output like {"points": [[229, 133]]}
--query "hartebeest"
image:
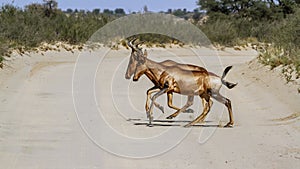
{"points": [[136, 51], [174, 79]]}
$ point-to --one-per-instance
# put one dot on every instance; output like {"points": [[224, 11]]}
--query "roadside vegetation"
{"points": [[24, 29], [271, 26]]}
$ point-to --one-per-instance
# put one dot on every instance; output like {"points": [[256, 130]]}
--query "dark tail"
{"points": [[226, 83]]}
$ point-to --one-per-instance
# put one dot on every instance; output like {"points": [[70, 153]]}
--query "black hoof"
{"points": [[228, 125], [170, 117], [162, 109], [189, 111], [150, 125]]}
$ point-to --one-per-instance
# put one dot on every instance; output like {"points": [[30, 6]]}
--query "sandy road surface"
{"points": [[39, 126]]}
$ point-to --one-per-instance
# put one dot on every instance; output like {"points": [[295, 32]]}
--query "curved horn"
{"points": [[137, 45], [130, 44]]}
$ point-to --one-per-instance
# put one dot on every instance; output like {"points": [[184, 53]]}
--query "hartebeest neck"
{"points": [[154, 69]]}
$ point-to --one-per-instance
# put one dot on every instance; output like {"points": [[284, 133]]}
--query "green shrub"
{"points": [[282, 30], [31, 26]]}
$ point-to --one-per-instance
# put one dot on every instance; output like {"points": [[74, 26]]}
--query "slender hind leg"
{"points": [[210, 103], [190, 102], [227, 103], [206, 108]]}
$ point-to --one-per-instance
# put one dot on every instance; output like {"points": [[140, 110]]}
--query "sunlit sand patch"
{"points": [[40, 65], [287, 118]]}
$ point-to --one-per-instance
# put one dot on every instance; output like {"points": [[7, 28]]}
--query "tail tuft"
{"points": [[229, 85], [226, 71]]}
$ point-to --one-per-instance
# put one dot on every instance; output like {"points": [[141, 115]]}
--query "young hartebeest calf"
{"points": [[186, 82]]}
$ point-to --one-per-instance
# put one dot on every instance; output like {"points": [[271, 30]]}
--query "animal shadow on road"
{"points": [[168, 123]]}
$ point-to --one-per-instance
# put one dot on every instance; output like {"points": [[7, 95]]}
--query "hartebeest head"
{"points": [[136, 54], [141, 68]]}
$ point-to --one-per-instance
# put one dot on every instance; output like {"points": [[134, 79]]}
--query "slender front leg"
{"points": [[149, 92], [170, 101], [149, 113], [190, 102]]}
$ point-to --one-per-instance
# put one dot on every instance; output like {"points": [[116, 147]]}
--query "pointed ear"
{"points": [[145, 53]]}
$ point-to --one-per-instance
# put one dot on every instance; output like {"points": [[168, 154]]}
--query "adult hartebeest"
{"points": [[136, 51], [186, 82]]}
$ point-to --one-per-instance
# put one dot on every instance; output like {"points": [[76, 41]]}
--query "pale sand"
{"points": [[39, 127]]}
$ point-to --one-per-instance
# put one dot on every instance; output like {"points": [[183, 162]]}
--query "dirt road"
{"points": [[40, 129]]}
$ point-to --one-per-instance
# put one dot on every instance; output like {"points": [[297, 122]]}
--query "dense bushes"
{"points": [[229, 23], [34, 24], [264, 21]]}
